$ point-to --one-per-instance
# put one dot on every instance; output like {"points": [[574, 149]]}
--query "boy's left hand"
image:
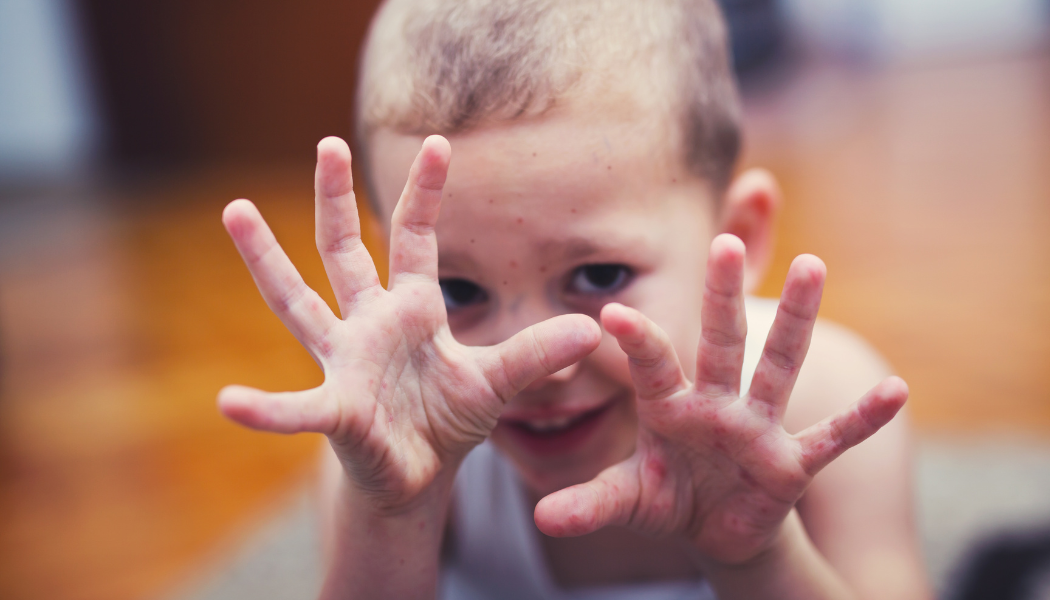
{"points": [[710, 464]]}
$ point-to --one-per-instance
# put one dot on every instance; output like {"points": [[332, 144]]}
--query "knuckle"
{"points": [[781, 358], [342, 243], [722, 338], [291, 297]]}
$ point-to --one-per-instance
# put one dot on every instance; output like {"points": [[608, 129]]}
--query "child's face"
{"points": [[563, 215]]}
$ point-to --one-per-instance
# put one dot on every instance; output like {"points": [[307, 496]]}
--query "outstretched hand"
{"points": [[710, 464], [402, 402]]}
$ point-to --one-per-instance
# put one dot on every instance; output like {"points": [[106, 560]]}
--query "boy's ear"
{"points": [[749, 212]]}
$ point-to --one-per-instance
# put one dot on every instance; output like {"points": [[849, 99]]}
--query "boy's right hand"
{"points": [[402, 401]]}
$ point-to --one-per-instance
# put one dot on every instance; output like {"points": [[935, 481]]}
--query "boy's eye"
{"points": [[460, 293], [599, 279]]}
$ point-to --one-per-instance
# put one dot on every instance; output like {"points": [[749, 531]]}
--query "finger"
{"points": [[283, 412], [789, 336], [652, 359], [413, 245], [720, 355], [538, 351], [608, 499], [827, 440], [346, 260], [305, 314]]}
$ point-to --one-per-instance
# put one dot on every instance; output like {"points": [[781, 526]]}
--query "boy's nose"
{"points": [[561, 376]]}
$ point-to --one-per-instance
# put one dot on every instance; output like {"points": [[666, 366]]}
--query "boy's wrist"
{"points": [[376, 505], [386, 552], [790, 567], [780, 543]]}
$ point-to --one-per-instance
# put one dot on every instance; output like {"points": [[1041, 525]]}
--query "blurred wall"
{"points": [[192, 81], [908, 29], [48, 123]]}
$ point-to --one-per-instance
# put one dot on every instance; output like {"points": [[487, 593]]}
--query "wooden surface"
{"points": [[124, 309]]}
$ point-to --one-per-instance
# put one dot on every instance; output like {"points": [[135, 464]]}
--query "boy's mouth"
{"points": [[555, 434]]}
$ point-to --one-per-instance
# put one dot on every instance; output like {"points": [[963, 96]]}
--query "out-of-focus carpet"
{"points": [[968, 492]]}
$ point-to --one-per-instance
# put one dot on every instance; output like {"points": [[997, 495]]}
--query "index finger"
{"points": [[413, 243], [653, 361]]}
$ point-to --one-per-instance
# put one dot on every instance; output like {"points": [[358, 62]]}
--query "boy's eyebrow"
{"points": [[568, 249], [456, 261], [576, 248]]}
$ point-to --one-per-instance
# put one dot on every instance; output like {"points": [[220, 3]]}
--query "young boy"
{"points": [[589, 233]]}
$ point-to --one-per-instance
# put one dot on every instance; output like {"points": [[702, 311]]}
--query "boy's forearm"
{"points": [[792, 569], [373, 555]]}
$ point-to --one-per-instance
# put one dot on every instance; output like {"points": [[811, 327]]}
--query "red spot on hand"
{"points": [[656, 467], [747, 477]]}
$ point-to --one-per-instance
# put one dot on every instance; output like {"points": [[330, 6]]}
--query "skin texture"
{"points": [[677, 454]]}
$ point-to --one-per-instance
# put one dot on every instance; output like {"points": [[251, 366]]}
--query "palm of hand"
{"points": [[402, 401], [711, 465]]}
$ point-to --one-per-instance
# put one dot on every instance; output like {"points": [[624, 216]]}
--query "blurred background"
{"points": [[912, 139]]}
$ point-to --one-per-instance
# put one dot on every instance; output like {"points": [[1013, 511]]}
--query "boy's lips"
{"points": [[554, 432]]}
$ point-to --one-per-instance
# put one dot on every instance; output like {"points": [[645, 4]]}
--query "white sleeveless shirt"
{"points": [[497, 546]]}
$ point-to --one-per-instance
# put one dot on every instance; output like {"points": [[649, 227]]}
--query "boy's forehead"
{"points": [[570, 154]]}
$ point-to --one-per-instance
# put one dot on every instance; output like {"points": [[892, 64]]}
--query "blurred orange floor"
{"points": [[123, 311]]}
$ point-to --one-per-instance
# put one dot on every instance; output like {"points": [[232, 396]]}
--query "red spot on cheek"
{"points": [[514, 264], [471, 240], [504, 283], [491, 201], [573, 210], [520, 220], [543, 269]]}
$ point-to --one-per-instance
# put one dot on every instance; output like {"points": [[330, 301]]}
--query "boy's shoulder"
{"points": [[841, 366]]}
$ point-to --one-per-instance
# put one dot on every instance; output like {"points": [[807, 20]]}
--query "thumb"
{"points": [[281, 412], [538, 351], [608, 499]]}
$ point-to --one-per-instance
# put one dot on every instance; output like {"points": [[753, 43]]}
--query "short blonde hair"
{"points": [[447, 66]]}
